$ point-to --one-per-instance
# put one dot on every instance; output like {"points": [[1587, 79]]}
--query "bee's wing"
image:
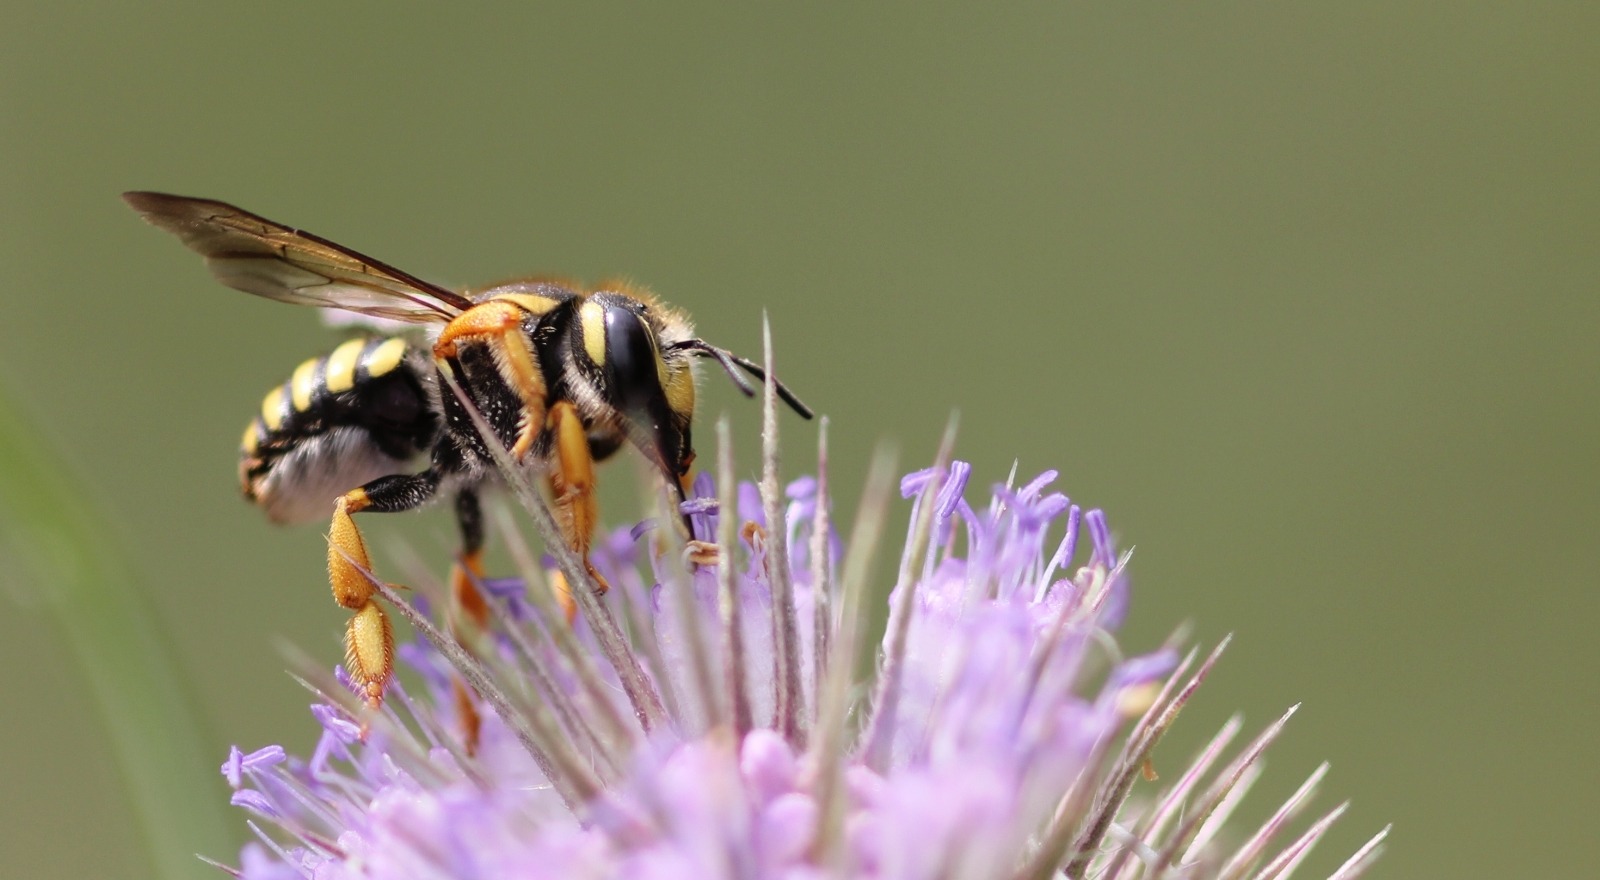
{"points": [[258, 256]]}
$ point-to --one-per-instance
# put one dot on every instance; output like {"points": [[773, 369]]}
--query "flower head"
{"points": [[706, 722]]}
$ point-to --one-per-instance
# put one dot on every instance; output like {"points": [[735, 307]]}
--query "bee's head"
{"points": [[621, 336]]}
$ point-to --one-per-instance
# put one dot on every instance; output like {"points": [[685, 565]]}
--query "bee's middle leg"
{"points": [[471, 617], [468, 570]]}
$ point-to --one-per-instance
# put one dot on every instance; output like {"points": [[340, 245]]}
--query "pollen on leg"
{"points": [[486, 319], [574, 476], [369, 651], [497, 325], [572, 485], [348, 563]]}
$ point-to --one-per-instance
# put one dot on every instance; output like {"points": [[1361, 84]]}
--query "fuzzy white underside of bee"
{"points": [[302, 485]]}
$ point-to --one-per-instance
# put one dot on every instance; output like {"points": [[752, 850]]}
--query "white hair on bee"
{"points": [[302, 485]]}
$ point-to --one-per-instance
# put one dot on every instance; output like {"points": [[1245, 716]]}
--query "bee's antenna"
{"points": [[706, 349], [783, 390], [729, 360]]}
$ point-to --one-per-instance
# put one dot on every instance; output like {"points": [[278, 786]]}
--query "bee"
{"points": [[563, 376]]}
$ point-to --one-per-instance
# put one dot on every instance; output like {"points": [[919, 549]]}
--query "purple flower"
{"points": [[710, 722]]}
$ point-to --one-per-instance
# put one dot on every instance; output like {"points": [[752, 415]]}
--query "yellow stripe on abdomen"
{"points": [[251, 439], [303, 384], [385, 357], [341, 372], [272, 409]]}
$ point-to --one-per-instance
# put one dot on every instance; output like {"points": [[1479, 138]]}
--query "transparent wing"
{"points": [[255, 255]]}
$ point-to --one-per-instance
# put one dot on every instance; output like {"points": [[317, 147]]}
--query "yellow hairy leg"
{"points": [[469, 622], [369, 639], [498, 326], [572, 484]]}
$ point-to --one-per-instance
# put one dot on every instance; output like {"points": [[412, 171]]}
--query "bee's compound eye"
{"points": [[630, 355]]}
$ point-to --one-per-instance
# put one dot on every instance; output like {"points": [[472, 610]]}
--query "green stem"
{"points": [[63, 554]]}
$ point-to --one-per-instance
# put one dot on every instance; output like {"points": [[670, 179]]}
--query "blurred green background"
{"points": [[1307, 298]]}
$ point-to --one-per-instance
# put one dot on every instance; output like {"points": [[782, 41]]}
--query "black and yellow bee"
{"points": [[564, 376]]}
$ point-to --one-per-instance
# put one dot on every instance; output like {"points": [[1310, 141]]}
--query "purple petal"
{"points": [[335, 723], [696, 506], [951, 491], [750, 509], [801, 488], [255, 802], [1037, 483], [914, 482], [786, 829], [233, 768], [768, 764], [1146, 668], [1105, 551]]}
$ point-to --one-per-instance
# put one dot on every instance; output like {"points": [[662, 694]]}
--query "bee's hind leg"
{"points": [[369, 638]]}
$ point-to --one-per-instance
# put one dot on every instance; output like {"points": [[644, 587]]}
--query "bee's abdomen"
{"points": [[363, 411]]}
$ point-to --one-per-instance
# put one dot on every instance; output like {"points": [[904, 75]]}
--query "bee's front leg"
{"points": [[498, 326], [572, 486]]}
